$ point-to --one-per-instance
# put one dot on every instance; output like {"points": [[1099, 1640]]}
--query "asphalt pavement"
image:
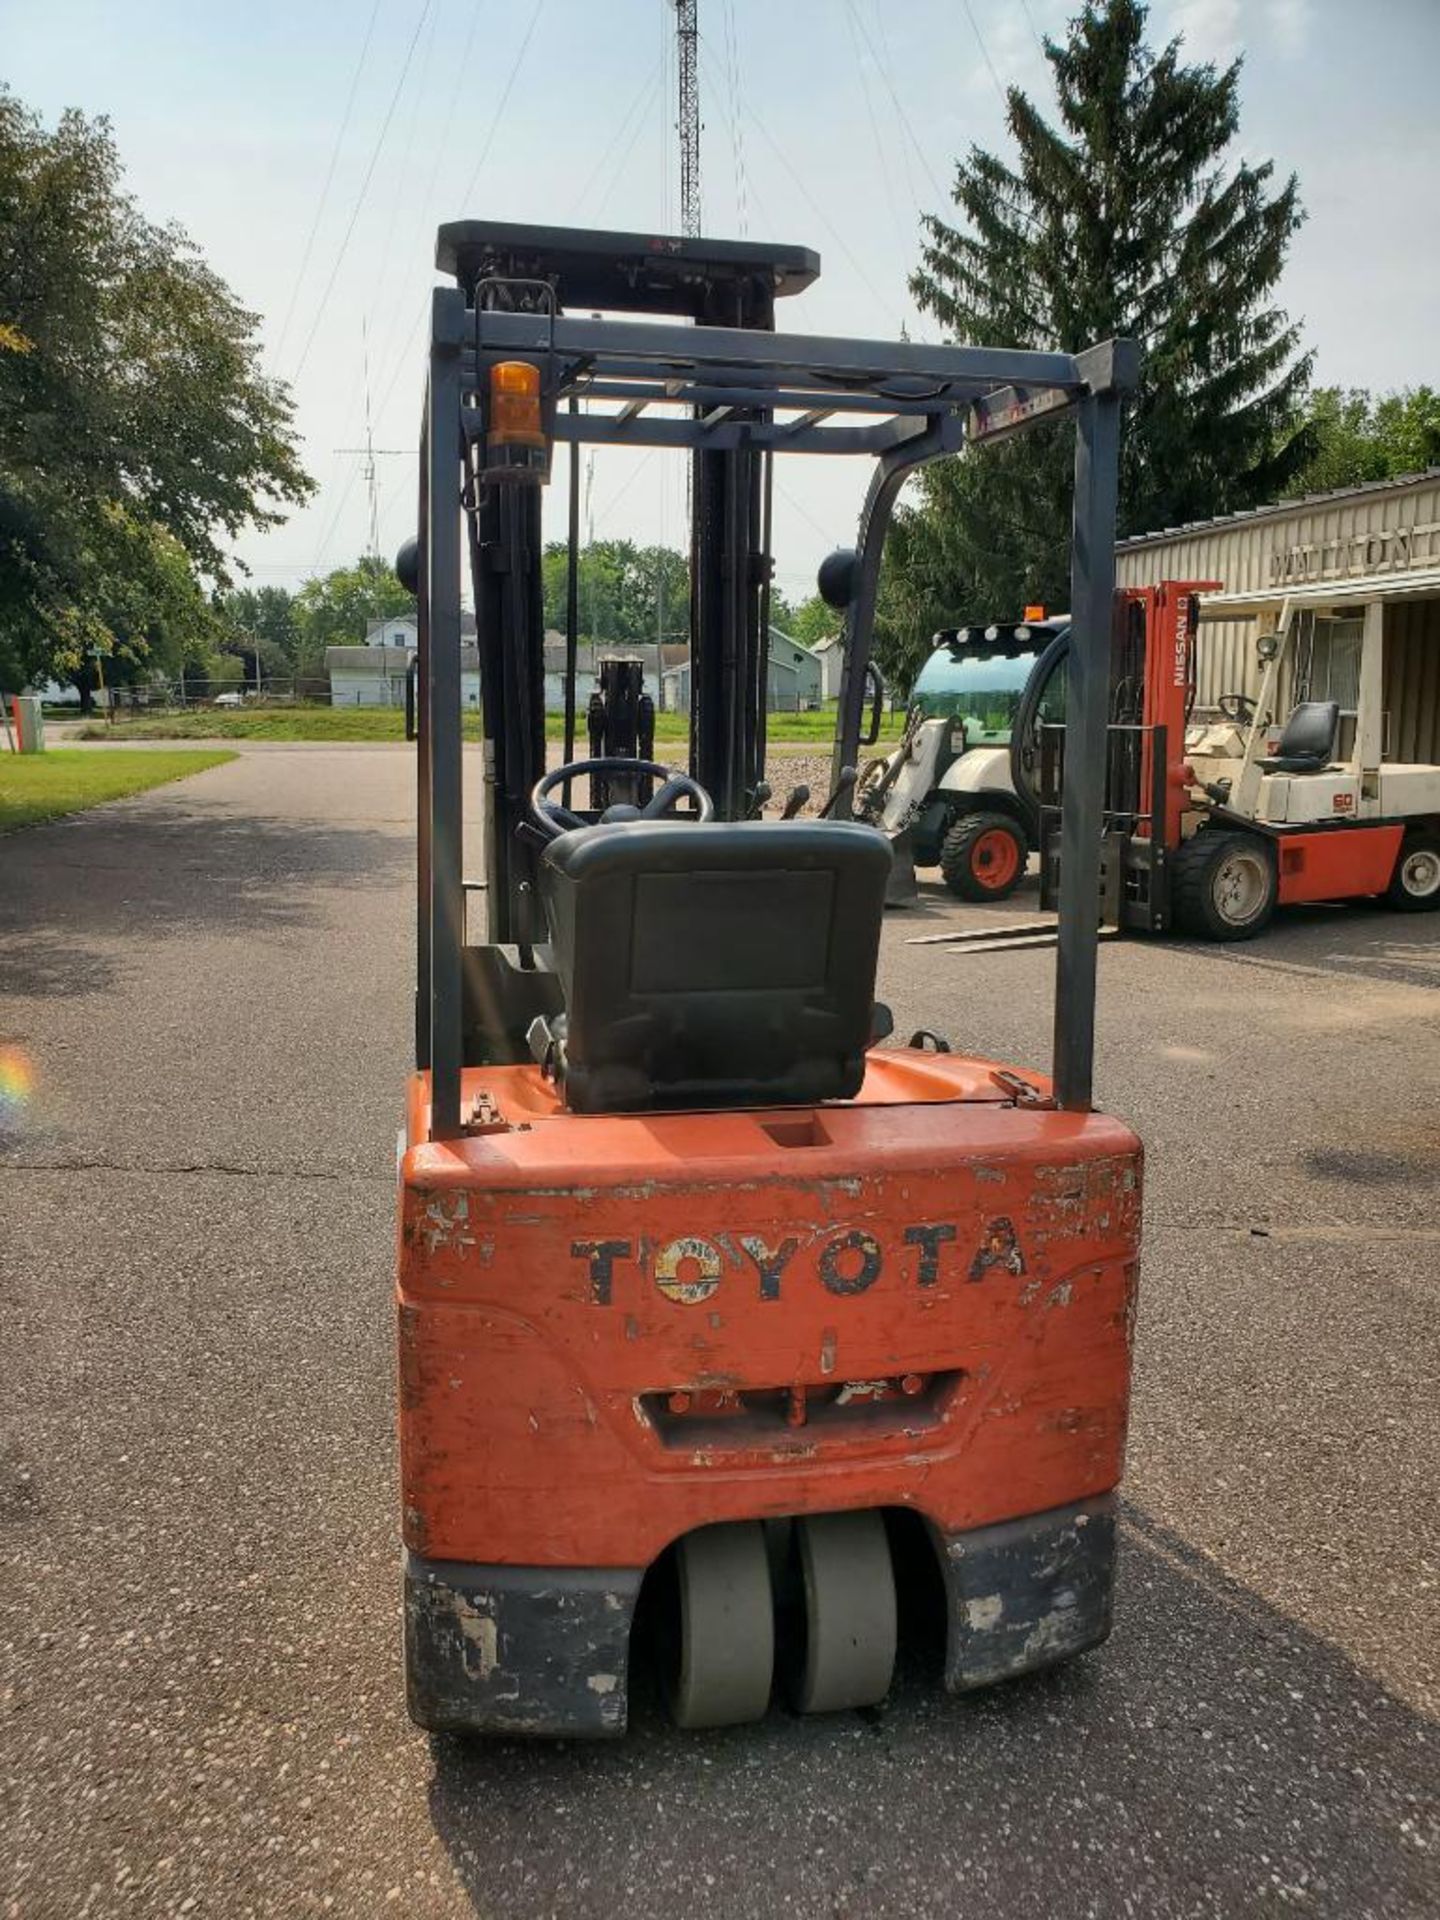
{"points": [[200, 1695]]}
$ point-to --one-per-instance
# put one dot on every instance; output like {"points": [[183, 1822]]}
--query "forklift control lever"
{"points": [[552, 819]]}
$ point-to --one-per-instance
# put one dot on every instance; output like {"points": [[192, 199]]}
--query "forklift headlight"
{"points": [[1267, 646], [516, 447]]}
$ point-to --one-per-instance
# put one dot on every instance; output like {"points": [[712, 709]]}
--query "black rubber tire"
{"points": [[1425, 842], [727, 1626], [850, 1611], [957, 855], [1197, 873]]}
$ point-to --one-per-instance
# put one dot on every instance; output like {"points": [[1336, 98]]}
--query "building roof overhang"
{"points": [[1420, 583]]}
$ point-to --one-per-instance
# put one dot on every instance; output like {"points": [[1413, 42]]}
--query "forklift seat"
{"points": [[725, 965], [1308, 743]]}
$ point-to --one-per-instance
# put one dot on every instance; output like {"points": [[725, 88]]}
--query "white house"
{"points": [[399, 630], [588, 659], [792, 678], [373, 675], [831, 655]]}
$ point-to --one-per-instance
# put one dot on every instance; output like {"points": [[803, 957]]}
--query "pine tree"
{"points": [[1127, 217]]}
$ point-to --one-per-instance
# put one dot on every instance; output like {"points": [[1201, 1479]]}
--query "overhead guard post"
{"points": [[1092, 586], [441, 558]]}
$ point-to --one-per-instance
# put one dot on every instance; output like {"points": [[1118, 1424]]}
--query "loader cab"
{"points": [[978, 675]]}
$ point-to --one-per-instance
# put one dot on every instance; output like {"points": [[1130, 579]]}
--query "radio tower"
{"points": [[687, 33]]}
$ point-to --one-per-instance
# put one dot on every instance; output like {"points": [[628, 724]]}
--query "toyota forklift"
{"points": [[703, 1293]]}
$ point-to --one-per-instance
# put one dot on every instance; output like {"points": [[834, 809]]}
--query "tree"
{"points": [[334, 611], [627, 595], [1353, 437], [267, 615], [812, 621], [1129, 216], [136, 428]]}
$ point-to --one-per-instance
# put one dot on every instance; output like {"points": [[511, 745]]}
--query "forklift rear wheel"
{"points": [[727, 1626], [983, 856], [1415, 885], [849, 1611], [1224, 885]]}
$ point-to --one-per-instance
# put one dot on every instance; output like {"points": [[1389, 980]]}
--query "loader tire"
{"points": [[983, 856], [1224, 885], [1415, 884]]}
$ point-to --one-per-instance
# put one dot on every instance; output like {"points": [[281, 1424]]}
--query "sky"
{"points": [[311, 147]]}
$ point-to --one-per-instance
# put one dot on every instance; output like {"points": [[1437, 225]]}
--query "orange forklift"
{"points": [[1208, 826], [702, 1291]]}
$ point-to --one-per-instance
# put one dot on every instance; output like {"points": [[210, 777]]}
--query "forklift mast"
{"points": [[1168, 617], [621, 725], [691, 362]]}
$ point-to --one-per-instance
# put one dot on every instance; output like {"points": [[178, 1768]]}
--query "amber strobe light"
{"points": [[516, 446]]}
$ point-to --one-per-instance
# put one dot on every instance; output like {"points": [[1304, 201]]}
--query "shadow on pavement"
{"points": [[1214, 1758], [171, 870], [1356, 939]]}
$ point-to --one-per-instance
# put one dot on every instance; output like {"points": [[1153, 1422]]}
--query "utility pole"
{"points": [[370, 452], [687, 35]]}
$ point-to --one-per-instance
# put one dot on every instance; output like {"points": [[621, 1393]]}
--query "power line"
{"points": [[823, 217], [462, 73], [620, 491], [364, 188], [386, 251], [397, 337], [737, 138], [639, 102], [883, 67], [985, 54], [329, 181], [404, 357], [708, 73], [870, 115], [618, 172], [825, 533], [504, 100]]}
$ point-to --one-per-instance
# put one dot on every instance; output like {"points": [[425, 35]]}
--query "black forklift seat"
{"points": [[725, 965], [1308, 743]]}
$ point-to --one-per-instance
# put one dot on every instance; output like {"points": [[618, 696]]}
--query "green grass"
{"points": [[388, 723], [261, 723], [41, 786]]}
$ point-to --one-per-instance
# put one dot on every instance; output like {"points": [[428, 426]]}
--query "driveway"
{"points": [[199, 1596]]}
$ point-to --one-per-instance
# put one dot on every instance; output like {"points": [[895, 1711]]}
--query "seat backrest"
{"points": [[1310, 732], [714, 966]]}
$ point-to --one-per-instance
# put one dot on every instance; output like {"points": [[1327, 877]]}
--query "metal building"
{"points": [[1319, 562]]}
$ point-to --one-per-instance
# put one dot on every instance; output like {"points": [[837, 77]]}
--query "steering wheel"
{"points": [[552, 819], [1238, 707]]}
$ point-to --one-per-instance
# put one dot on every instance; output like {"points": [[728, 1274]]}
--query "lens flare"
{"points": [[18, 1081]]}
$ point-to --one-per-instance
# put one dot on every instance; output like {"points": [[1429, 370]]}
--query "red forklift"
{"points": [[702, 1291], [1209, 826]]}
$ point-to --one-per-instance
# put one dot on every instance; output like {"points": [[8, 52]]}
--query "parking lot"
{"points": [[199, 1607]]}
